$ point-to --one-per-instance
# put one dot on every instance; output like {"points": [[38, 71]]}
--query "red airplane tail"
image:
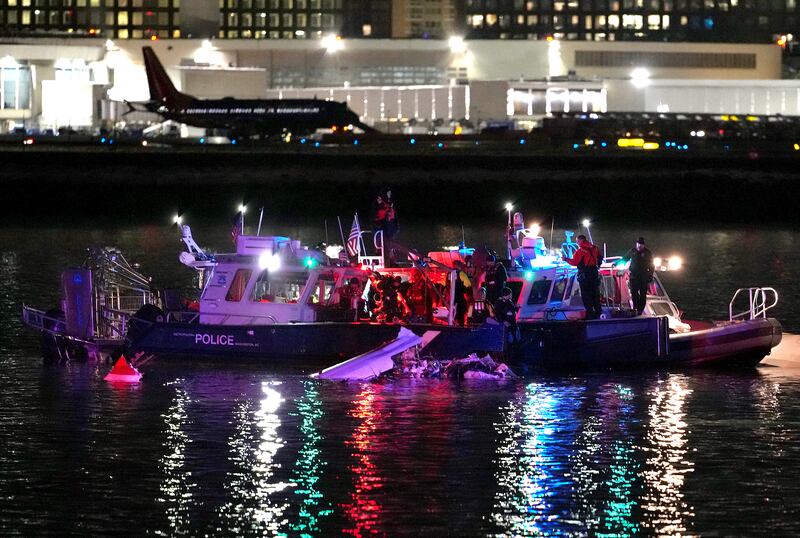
{"points": [[162, 89]]}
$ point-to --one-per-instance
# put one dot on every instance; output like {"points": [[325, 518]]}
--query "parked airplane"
{"points": [[242, 116]]}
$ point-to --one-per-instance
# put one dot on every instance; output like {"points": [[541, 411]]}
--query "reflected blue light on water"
{"points": [[309, 466], [534, 482], [617, 515]]}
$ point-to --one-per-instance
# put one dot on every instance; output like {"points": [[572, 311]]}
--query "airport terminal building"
{"points": [[83, 83]]}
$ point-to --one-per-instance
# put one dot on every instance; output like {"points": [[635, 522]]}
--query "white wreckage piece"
{"points": [[372, 363]]}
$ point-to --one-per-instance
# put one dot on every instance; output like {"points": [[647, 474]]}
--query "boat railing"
{"points": [[373, 262], [38, 319], [113, 323], [759, 301]]}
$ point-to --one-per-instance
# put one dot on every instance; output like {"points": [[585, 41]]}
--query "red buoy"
{"points": [[122, 372]]}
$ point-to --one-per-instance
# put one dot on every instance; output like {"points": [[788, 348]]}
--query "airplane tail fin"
{"points": [[161, 87]]}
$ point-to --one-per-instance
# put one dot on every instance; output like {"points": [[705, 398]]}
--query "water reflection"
{"points": [[616, 410], [252, 487], [535, 485], [771, 426], [667, 464], [578, 459], [364, 510], [176, 486], [309, 466]]}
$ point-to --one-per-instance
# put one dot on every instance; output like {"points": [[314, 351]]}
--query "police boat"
{"points": [[272, 299]]}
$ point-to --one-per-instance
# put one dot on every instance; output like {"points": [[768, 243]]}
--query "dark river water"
{"points": [[200, 449]]}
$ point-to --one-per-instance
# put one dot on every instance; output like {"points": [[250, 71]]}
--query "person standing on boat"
{"points": [[505, 312], [587, 260], [463, 292], [641, 271], [496, 278], [386, 222]]}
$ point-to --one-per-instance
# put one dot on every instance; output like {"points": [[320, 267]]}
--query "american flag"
{"points": [[353, 240], [236, 231]]}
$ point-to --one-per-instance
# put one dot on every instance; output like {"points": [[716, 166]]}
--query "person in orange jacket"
{"points": [[587, 259]]}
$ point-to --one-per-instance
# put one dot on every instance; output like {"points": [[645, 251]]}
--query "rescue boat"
{"points": [[276, 300], [272, 299]]}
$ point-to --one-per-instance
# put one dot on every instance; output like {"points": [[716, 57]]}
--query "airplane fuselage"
{"points": [[261, 115]]}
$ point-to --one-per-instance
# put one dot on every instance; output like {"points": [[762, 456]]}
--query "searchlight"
{"points": [[269, 261]]}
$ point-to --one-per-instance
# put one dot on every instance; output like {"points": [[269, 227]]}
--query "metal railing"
{"points": [[759, 300]]}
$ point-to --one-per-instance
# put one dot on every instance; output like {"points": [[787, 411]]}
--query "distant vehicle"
{"points": [[242, 117]]}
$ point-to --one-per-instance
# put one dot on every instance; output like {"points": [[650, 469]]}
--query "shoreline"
{"points": [[629, 188]]}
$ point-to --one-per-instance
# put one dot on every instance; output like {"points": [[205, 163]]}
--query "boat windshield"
{"points": [[540, 291], [280, 287], [559, 288], [238, 285], [323, 290]]}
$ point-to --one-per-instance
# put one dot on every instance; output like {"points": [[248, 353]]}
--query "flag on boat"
{"points": [[237, 230], [354, 240]]}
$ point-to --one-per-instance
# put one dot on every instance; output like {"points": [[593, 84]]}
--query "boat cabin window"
{"points": [[663, 308], [238, 285], [540, 291], [280, 287], [323, 290], [559, 288]]}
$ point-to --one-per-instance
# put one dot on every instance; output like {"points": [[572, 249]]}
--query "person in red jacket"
{"points": [[587, 260]]}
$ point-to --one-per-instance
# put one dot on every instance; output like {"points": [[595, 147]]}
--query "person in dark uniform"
{"points": [[463, 293], [496, 278], [505, 312], [587, 260], [641, 271], [386, 222]]}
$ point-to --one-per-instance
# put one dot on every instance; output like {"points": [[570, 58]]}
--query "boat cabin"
{"points": [[272, 280]]}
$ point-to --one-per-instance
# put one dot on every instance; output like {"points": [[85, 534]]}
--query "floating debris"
{"points": [[410, 364]]}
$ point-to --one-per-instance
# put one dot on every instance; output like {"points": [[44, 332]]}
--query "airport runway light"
{"points": [[457, 45], [640, 77]]}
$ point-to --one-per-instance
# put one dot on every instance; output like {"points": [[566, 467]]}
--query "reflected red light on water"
{"points": [[364, 511]]}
